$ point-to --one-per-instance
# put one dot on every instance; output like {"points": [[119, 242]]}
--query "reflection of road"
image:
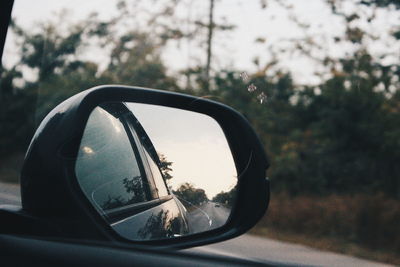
{"points": [[207, 216]]}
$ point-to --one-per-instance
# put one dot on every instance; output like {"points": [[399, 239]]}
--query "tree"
{"points": [[226, 198], [165, 166], [190, 194]]}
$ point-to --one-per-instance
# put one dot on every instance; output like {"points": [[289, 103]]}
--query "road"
{"points": [[246, 246], [275, 252], [10, 194], [207, 216]]}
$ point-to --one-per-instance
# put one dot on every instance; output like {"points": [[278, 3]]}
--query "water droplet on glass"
{"points": [[262, 98], [244, 76], [251, 88]]}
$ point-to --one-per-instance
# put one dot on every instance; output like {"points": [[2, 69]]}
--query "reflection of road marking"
{"points": [[205, 213]]}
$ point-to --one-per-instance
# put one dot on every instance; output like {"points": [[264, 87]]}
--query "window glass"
{"points": [[107, 168], [158, 179]]}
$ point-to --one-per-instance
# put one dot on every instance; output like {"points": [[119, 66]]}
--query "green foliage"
{"points": [[165, 166], [226, 198], [15, 107], [338, 143]]}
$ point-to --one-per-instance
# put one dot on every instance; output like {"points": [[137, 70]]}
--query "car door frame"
{"points": [[119, 213]]}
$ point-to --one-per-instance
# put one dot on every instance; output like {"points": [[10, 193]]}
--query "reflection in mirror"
{"points": [[156, 172]]}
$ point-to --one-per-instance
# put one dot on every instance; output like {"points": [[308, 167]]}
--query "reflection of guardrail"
{"points": [[195, 207]]}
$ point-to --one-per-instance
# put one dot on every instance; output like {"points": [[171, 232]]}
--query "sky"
{"points": [[235, 49]]}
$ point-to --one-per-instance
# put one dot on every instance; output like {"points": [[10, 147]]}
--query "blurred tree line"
{"points": [[227, 198], [190, 195], [339, 136]]}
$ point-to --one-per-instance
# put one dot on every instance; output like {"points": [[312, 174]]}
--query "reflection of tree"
{"points": [[135, 186], [112, 202], [191, 194], [165, 166], [160, 225], [136, 193], [226, 198]]}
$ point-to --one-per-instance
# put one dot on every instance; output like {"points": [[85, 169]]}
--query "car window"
{"points": [[107, 167], [158, 178]]}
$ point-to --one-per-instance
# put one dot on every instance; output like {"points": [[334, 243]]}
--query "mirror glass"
{"points": [[156, 172]]}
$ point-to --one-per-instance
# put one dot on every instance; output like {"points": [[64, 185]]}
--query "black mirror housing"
{"points": [[50, 190]]}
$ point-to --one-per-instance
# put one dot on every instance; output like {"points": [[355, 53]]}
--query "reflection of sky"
{"points": [[194, 143]]}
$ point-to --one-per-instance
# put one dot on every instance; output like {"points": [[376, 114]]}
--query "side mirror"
{"points": [[145, 166]]}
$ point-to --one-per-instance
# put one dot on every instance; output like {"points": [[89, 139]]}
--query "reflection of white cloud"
{"points": [[194, 142], [87, 150], [114, 122]]}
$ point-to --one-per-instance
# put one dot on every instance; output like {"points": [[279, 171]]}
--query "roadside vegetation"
{"points": [[362, 225]]}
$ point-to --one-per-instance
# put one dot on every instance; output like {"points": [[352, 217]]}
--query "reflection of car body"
{"points": [[131, 192]]}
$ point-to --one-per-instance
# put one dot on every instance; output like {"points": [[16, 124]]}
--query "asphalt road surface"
{"points": [[275, 252], [246, 246], [10, 194], [207, 216]]}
